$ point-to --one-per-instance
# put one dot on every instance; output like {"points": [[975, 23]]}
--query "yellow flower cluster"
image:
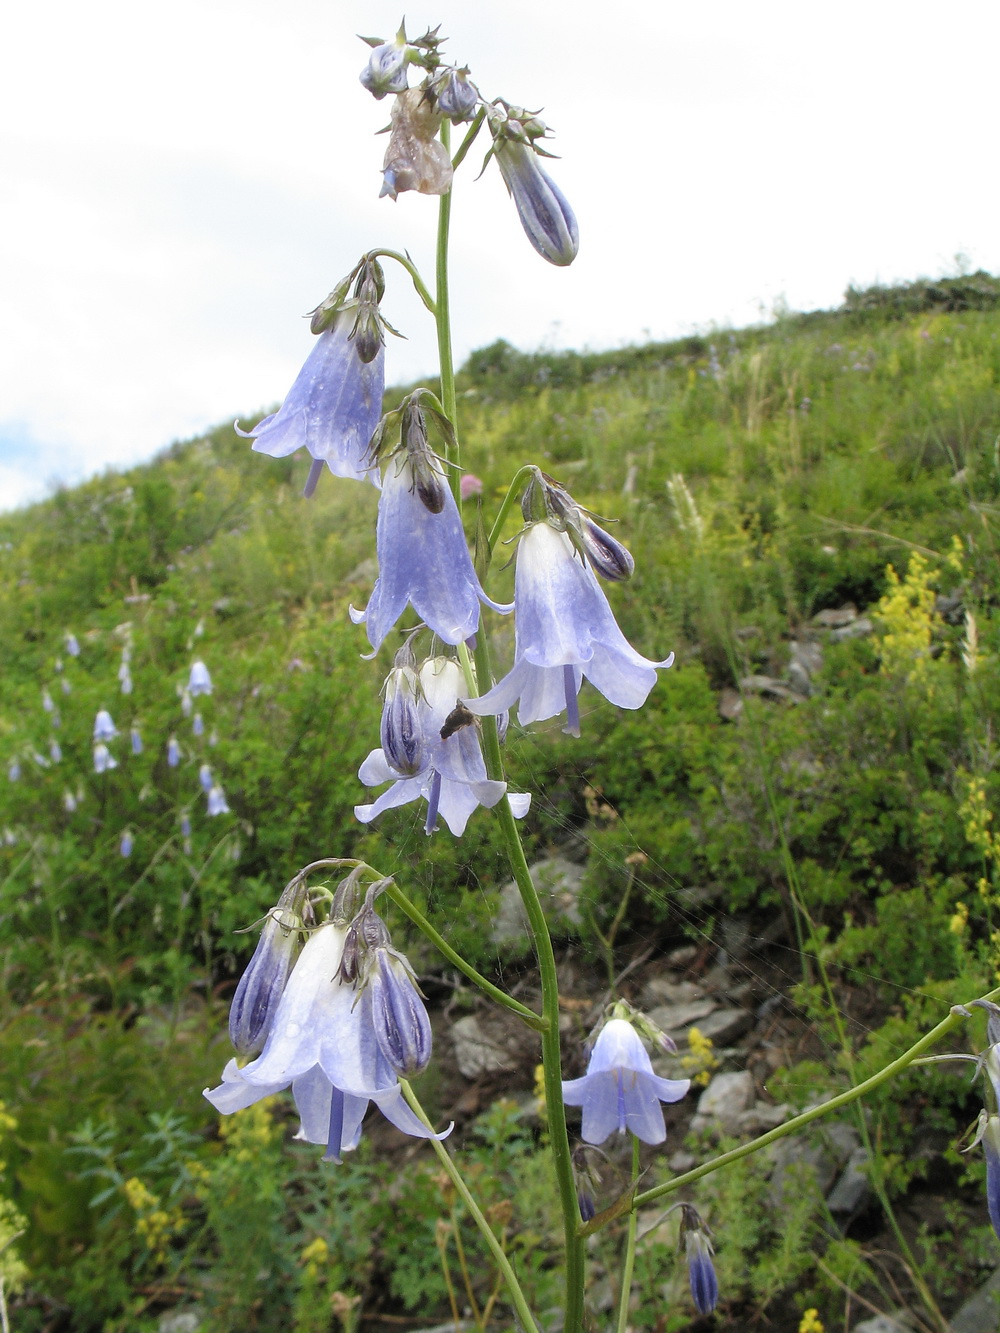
{"points": [[153, 1223], [250, 1131], [700, 1062], [908, 618], [811, 1322], [314, 1258]]}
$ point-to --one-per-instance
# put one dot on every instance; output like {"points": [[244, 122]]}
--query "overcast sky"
{"points": [[182, 182]]}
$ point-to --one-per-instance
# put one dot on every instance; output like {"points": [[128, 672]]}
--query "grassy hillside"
{"points": [[828, 781]]}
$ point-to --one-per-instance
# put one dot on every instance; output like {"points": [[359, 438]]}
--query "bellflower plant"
{"points": [[453, 780], [619, 1090], [103, 758], [423, 557], [322, 1043], [564, 630], [216, 802], [104, 728], [199, 681], [173, 752], [333, 407]]}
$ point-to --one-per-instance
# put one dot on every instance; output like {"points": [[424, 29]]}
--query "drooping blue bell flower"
{"points": [[564, 630], [619, 1090], [104, 728], [698, 1251], [548, 221], [332, 409]]}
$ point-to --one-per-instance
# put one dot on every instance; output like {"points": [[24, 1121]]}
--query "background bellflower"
{"points": [[322, 1042], [619, 1090], [453, 779], [332, 409], [423, 560], [564, 630]]}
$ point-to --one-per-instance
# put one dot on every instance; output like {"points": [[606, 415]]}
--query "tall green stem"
{"points": [[496, 1249], [629, 1264], [443, 319]]}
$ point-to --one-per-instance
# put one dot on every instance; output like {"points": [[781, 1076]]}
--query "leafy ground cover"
{"points": [[801, 822]]}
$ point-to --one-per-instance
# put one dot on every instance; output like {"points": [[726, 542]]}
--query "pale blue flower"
{"points": [[125, 677], [199, 681], [402, 1028], [197, 725], [185, 826], [69, 802], [104, 728], [136, 741], [322, 1042], [14, 770], [72, 646], [423, 561], [66, 687], [205, 778], [217, 801], [331, 410], [55, 750], [103, 758], [619, 1090], [173, 752], [453, 780], [457, 98], [564, 630], [47, 703], [126, 844], [186, 704], [548, 221]]}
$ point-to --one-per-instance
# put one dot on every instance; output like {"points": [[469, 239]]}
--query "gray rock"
{"points": [[857, 629], [664, 990], [557, 882], [900, 1321], [181, 1321], [791, 1154], [726, 1097], [763, 1116], [853, 1188], [807, 655], [674, 1018], [478, 1051], [724, 1026], [836, 618], [682, 1161], [980, 1313], [683, 956], [730, 704], [776, 689]]}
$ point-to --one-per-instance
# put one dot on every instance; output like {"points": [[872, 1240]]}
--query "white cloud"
{"points": [[185, 182]]}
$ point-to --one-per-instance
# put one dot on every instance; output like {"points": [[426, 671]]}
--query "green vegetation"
{"points": [[760, 478]]}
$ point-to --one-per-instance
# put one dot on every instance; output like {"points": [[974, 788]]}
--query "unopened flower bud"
{"points": [[261, 985], [415, 159], [701, 1270], [386, 69], [401, 731], [424, 466], [457, 98], [609, 557], [126, 844], [547, 219], [402, 1028]]}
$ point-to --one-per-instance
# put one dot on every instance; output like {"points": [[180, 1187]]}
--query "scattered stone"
{"points": [[730, 704], [662, 990], [857, 629], [836, 618], [675, 1018], [682, 1161], [557, 882], [900, 1321], [181, 1321], [725, 1025], [776, 689], [762, 1116], [478, 1052], [790, 1154], [979, 1314], [806, 660], [726, 1097], [853, 1189], [683, 956]]}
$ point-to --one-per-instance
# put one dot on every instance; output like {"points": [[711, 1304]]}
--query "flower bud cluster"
{"points": [[548, 221]]}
